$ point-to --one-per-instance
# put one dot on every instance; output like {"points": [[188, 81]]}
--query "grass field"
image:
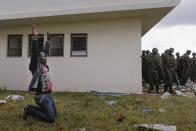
{"points": [[86, 110]]}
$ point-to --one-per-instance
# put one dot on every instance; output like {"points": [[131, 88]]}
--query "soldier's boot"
{"points": [[157, 90], [151, 88], [165, 89], [170, 90]]}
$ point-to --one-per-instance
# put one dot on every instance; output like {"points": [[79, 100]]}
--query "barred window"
{"points": [[56, 45], [40, 43], [14, 45], [79, 44]]}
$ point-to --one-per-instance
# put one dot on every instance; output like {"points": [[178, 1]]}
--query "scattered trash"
{"points": [[188, 90], [162, 110], [178, 88], [112, 103], [109, 93], [15, 97], [160, 127], [82, 129], [184, 90], [120, 118], [191, 85], [165, 95], [2, 102], [147, 110], [179, 93]]}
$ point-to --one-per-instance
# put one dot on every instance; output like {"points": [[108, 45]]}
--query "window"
{"points": [[79, 44], [40, 43], [14, 45], [56, 45]]}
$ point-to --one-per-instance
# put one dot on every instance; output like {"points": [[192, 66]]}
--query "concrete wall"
{"points": [[113, 62]]}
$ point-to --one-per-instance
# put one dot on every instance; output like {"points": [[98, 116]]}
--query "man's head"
{"points": [[194, 54], [171, 50], [166, 51], [177, 54], [188, 52], [154, 50], [43, 58], [147, 52], [35, 30]]}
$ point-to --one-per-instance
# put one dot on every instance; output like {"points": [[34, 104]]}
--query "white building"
{"points": [[96, 43]]}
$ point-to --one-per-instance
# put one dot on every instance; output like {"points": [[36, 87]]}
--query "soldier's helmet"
{"points": [[188, 52], [147, 52], [177, 54], [194, 54], [166, 51], [171, 49], [155, 50]]}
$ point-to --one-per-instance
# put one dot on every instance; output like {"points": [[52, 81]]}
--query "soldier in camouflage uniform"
{"points": [[193, 68], [169, 66], [165, 60], [177, 57], [147, 65], [186, 67], [179, 66], [144, 63], [174, 66], [154, 69]]}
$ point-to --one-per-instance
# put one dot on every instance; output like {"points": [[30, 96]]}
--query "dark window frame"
{"points": [[71, 48], [28, 53], [8, 43], [63, 44]]}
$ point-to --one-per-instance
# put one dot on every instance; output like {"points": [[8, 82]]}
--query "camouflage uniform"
{"points": [[154, 69], [193, 67], [179, 66], [186, 68], [169, 66], [144, 64]]}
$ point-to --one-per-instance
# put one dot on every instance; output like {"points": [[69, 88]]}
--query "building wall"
{"points": [[113, 63]]}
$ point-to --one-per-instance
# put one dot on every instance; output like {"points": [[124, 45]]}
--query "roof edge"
{"points": [[73, 11]]}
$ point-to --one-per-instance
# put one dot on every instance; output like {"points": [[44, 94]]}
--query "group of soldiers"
{"points": [[167, 69]]}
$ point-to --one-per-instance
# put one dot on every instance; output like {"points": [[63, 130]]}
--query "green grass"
{"points": [[86, 110]]}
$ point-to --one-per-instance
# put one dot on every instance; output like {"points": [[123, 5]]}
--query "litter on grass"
{"points": [[160, 127], [162, 110], [179, 93], [147, 110], [2, 102], [109, 93], [165, 95], [14, 97], [82, 129], [112, 103]]}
